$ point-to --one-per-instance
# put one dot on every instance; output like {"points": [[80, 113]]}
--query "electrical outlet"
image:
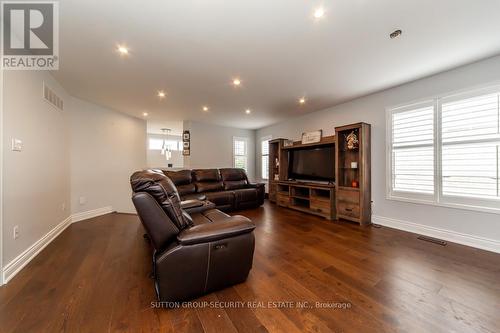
{"points": [[83, 200], [15, 232]]}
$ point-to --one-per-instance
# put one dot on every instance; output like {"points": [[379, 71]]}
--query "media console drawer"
{"points": [[348, 209], [321, 206], [283, 200], [349, 197]]}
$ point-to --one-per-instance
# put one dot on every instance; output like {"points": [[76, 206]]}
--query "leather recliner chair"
{"points": [[197, 249]]}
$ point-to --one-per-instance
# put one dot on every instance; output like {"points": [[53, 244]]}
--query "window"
{"points": [[240, 153], [413, 149], [264, 151], [447, 151], [157, 144], [470, 140]]}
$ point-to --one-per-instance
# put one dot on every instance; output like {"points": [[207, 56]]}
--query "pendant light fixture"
{"points": [[165, 148]]}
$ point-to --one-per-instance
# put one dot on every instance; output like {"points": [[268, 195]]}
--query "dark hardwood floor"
{"points": [[94, 278]]}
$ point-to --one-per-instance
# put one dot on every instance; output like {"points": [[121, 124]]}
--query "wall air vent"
{"points": [[51, 97]]}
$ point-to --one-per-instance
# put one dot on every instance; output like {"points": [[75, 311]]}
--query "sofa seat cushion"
{"points": [[246, 194], [209, 186], [222, 198], [194, 196]]}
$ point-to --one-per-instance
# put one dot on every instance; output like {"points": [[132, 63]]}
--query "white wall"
{"points": [[212, 146], [1, 176], [106, 148], [371, 109], [156, 160], [36, 181]]}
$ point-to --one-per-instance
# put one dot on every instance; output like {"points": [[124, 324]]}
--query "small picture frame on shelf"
{"points": [[186, 136], [186, 144], [186, 152], [311, 137]]}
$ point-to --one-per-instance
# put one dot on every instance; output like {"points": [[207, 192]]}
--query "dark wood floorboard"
{"points": [[95, 278]]}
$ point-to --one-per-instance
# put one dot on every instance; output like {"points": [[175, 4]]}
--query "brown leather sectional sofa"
{"points": [[197, 249], [228, 188]]}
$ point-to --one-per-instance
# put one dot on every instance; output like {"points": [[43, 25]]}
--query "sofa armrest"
{"points": [[196, 206], [209, 232], [256, 185]]}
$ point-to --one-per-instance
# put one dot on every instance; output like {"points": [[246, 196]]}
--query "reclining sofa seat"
{"points": [[196, 250], [228, 188]]}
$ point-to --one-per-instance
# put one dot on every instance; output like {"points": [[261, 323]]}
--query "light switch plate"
{"points": [[17, 145]]}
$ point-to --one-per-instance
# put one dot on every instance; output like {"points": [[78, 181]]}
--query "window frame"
{"points": [[262, 139], [246, 141], [438, 198]]}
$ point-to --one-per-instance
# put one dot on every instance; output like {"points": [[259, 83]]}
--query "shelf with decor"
{"points": [[353, 173], [278, 166]]}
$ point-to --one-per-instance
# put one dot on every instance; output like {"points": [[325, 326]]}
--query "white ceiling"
{"points": [[192, 50]]}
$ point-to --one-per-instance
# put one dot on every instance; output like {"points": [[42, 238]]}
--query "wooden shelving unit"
{"points": [[353, 199], [278, 166], [345, 200]]}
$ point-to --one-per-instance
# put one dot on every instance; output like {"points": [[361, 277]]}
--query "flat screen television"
{"points": [[312, 163]]}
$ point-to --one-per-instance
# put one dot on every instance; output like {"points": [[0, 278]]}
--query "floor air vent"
{"points": [[51, 97], [432, 240]]}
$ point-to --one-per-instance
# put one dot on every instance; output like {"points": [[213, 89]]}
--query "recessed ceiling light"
{"points": [[205, 108], [302, 100], [248, 111], [122, 49], [319, 13], [161, 94], [145, 114], [395, 34], [236, 82]]}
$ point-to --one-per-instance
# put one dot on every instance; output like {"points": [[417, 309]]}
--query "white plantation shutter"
{"points": [[412, 147], [264, 159], [240, 151], [470, 146]]}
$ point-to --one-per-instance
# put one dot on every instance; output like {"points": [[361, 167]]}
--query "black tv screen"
{"points": [[316, 163]]}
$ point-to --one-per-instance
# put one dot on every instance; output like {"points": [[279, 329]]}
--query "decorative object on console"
{"points": [[355, 184], [288, 143], [311, 137], [352, 141], [354, 165]]}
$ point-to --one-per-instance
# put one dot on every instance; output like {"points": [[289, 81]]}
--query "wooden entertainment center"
{"points": [[348, 198]]}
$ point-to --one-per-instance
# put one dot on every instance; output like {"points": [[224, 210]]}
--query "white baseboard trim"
{"points": [[447, 235], [77, 217], [13, 267]]}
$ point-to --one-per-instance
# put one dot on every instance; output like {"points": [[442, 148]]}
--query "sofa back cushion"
{"points": [[206, 175], [207, 180], [234, 178], [163, 190], [183, 180]]}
